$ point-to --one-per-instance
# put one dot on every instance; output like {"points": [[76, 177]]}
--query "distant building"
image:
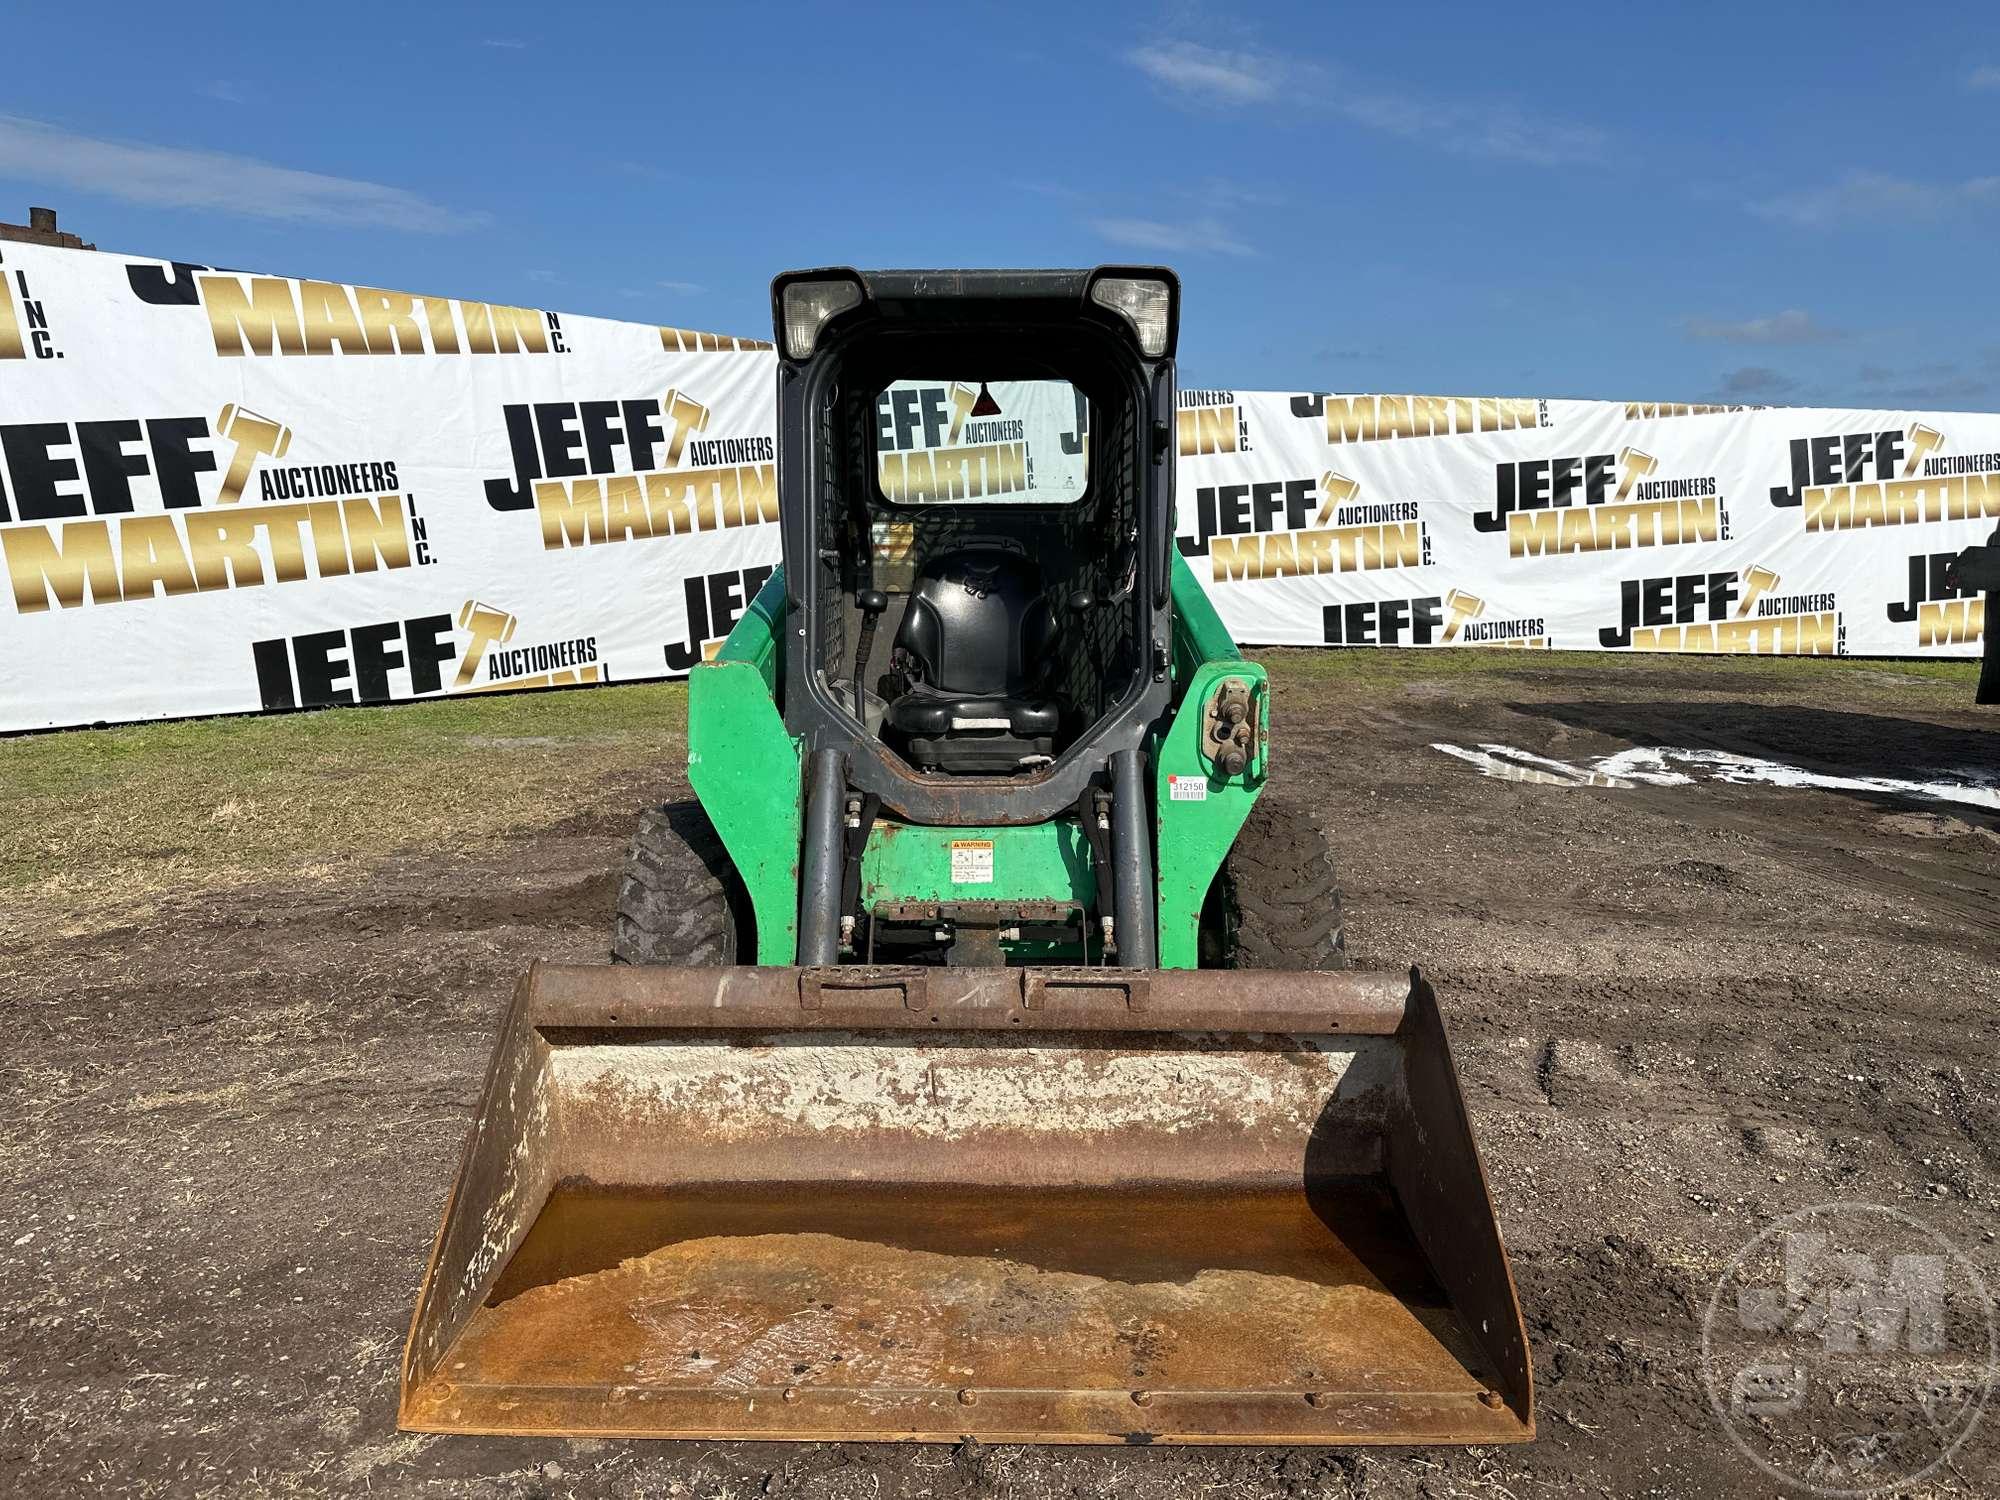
{"points": [[41, 230]]}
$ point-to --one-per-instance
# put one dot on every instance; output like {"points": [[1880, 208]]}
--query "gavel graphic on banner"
{"points": [[1464, 607], [255, 437], [1758, 581], [1337, 489], [1923, 440], [1635, 466], [488, 627]]}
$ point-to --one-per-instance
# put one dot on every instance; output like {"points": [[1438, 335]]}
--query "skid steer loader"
{"points": [[981, 1059]]}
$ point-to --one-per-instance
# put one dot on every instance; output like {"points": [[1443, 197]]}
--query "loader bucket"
{"points": [[1023, 1205]]}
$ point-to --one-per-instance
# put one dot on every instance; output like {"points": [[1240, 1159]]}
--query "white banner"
{"points": [[222, 492], [1585, 525], [1021, 441]]}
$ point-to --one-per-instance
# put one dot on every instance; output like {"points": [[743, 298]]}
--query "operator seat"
{"points": [[970, 669]]}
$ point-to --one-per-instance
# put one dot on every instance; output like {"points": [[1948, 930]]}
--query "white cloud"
{"points": [[223, 90], [1221, 193], [1473, 129], [1985, 76], [1209, 73], [685, 288], [1756, 382], [505, 43], [1944, 385], [1792, 326], [1876, 198], [172, 177], [1220, 77], [1202, 237]]}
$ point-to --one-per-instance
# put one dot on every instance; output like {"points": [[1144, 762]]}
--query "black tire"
{"points": [[1276, 903], [680, 900]]}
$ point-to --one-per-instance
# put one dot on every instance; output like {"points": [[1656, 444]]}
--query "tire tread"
{"points": [[1285, 892], [679, 899]]}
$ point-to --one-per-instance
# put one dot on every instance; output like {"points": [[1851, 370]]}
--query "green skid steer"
{"points": [[980, 1057]]}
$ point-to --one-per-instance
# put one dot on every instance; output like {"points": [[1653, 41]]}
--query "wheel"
{"points": [[1276, 902], [680, 900]]}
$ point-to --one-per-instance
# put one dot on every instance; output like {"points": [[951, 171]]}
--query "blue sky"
{"points": [[1753, 202]]}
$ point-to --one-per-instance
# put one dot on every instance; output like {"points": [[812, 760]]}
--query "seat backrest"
{"points": [[978, 622]]}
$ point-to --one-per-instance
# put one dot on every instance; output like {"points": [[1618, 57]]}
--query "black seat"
{"points": [[971, 666]]}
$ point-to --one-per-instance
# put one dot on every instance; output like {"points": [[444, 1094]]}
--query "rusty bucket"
{"points": [[1054, 1205]]}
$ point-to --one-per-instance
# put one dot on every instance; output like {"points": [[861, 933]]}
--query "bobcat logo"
{"points": [[978, 579]]}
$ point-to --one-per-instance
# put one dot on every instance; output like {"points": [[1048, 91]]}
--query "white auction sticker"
{"points": [[1187, 788], [972, 861]]}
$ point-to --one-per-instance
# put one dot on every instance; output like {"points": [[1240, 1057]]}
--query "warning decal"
{"points": [[972, 861]]}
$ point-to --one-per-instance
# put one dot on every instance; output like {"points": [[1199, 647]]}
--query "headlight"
{"points": [[1146, 304], [808, 306]]}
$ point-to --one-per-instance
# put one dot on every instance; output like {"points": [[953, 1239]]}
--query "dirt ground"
{"points": [[235, 1103]]}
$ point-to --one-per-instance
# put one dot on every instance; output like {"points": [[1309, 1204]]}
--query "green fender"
{"points": [[1198, 812], [745, 768]]}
